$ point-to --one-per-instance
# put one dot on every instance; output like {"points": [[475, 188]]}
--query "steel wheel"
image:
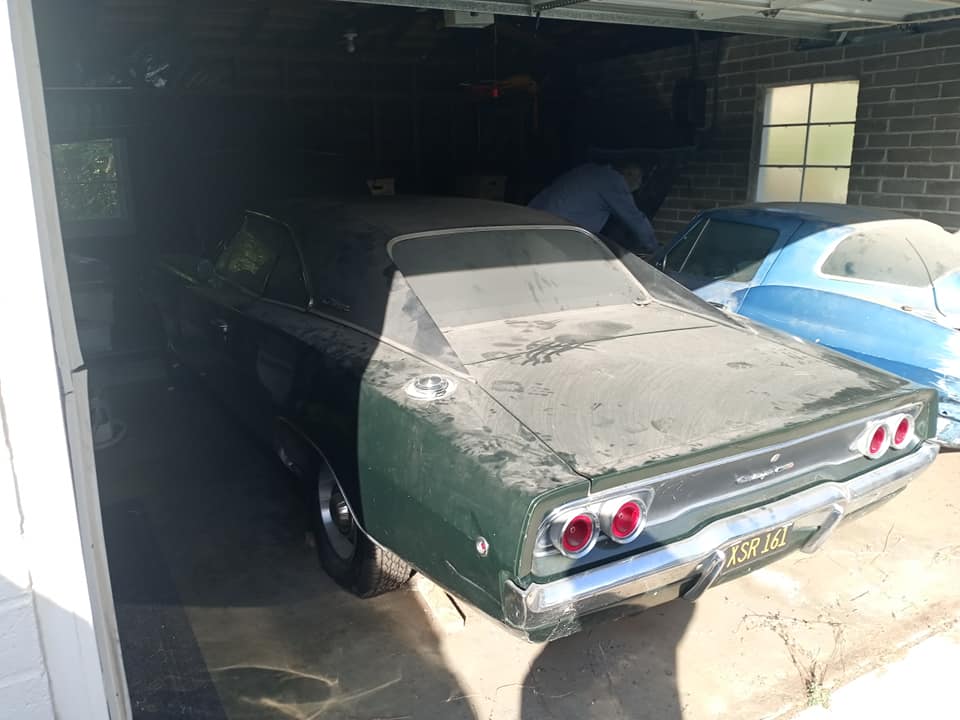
{"points": [[336, 520]]}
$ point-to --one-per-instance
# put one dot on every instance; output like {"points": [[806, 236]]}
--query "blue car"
{"points": [[876, 285]]}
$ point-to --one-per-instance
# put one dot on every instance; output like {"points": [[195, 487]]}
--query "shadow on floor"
{"points": [[622, 669], [224, 612]]}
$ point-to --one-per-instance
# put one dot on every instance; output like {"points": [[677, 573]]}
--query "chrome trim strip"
{"points": [[544, 605]]}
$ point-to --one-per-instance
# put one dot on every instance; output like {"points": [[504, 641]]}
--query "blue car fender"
{"points": [[893, 340]]}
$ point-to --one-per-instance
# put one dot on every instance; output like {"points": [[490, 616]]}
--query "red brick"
{"points": [[909, 155]]}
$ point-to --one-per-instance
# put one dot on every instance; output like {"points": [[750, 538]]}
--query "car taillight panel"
{"points": [[903, 432], [623, 519], [895, 432], [575, 533]]}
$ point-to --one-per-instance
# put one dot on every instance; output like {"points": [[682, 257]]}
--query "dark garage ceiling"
{"points": [[92, 42]]}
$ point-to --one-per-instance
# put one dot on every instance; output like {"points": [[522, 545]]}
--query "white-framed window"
{"points": [[806, 142]]}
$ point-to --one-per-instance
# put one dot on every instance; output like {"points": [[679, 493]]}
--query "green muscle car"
{"points": [[539, 422]]}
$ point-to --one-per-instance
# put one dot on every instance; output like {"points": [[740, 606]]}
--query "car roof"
{"points": [[832, 213], [406, 214]]}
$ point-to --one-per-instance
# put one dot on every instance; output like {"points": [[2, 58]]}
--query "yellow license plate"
{"points": [[756, 546]]}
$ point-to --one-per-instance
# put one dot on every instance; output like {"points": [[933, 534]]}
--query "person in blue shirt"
{"points": [[589, 194]]}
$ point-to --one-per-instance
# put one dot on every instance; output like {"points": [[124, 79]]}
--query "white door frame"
{"points": [[43, 396]]}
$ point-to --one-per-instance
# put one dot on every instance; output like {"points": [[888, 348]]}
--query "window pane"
{"points": [[678, 254], [730, 251], [826, 185], [249, 257], [783, 145], [778, 184], [881, 257], [785, 105], [286, 281], [92, 201], [84, 162], [835, 102], [830, 145]]}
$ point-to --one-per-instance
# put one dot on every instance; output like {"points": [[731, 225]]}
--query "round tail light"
{"points": [[623, 520], [877, 442], [576, 535], [902, 433]]}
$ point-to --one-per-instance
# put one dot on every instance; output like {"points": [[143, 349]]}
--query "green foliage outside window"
{"points": [[88, 181]]}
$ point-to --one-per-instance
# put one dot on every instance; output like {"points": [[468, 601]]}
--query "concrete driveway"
{"points": [[225, 614]]}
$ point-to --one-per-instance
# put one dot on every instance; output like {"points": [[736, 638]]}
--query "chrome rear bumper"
{"points": [[700, 557]]}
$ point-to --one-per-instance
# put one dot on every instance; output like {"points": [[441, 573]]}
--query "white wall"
{"points": [[24, 689]]}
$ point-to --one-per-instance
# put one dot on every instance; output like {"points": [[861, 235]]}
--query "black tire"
{"points": [[346, 554]]}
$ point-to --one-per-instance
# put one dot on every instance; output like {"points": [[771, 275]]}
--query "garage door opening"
{"points": [[193, 145], [167, 122]]}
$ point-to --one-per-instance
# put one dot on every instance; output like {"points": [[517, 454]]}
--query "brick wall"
{"points": [[906, 153]]}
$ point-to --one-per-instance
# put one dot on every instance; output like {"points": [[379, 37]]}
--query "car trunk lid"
{"points": [[611, 390]]}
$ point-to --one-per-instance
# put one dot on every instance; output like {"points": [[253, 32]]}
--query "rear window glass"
{"points": [[286, 283], [723, 250], [476, 276], [249, 257], [877, 257]]}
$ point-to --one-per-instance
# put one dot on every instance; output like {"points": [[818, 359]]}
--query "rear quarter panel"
{"points": [[435, 476]]}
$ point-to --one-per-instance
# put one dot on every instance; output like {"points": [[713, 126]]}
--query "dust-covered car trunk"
{"points": [[613, 389]]}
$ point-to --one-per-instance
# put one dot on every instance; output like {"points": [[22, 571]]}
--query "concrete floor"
{"points": [[225, 614]]}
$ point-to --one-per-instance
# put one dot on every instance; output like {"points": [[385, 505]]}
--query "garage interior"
{"points": [[168, 118]]}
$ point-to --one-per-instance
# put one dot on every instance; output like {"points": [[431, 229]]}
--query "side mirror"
{"points": [[203, 270]]}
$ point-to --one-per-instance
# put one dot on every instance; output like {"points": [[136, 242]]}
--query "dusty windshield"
{"points": [[473, 276]]}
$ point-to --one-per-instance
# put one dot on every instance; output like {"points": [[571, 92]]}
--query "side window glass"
{"points": [[286, 281], [878, 257], [678, 255], [250, 256], [730, 251]]}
